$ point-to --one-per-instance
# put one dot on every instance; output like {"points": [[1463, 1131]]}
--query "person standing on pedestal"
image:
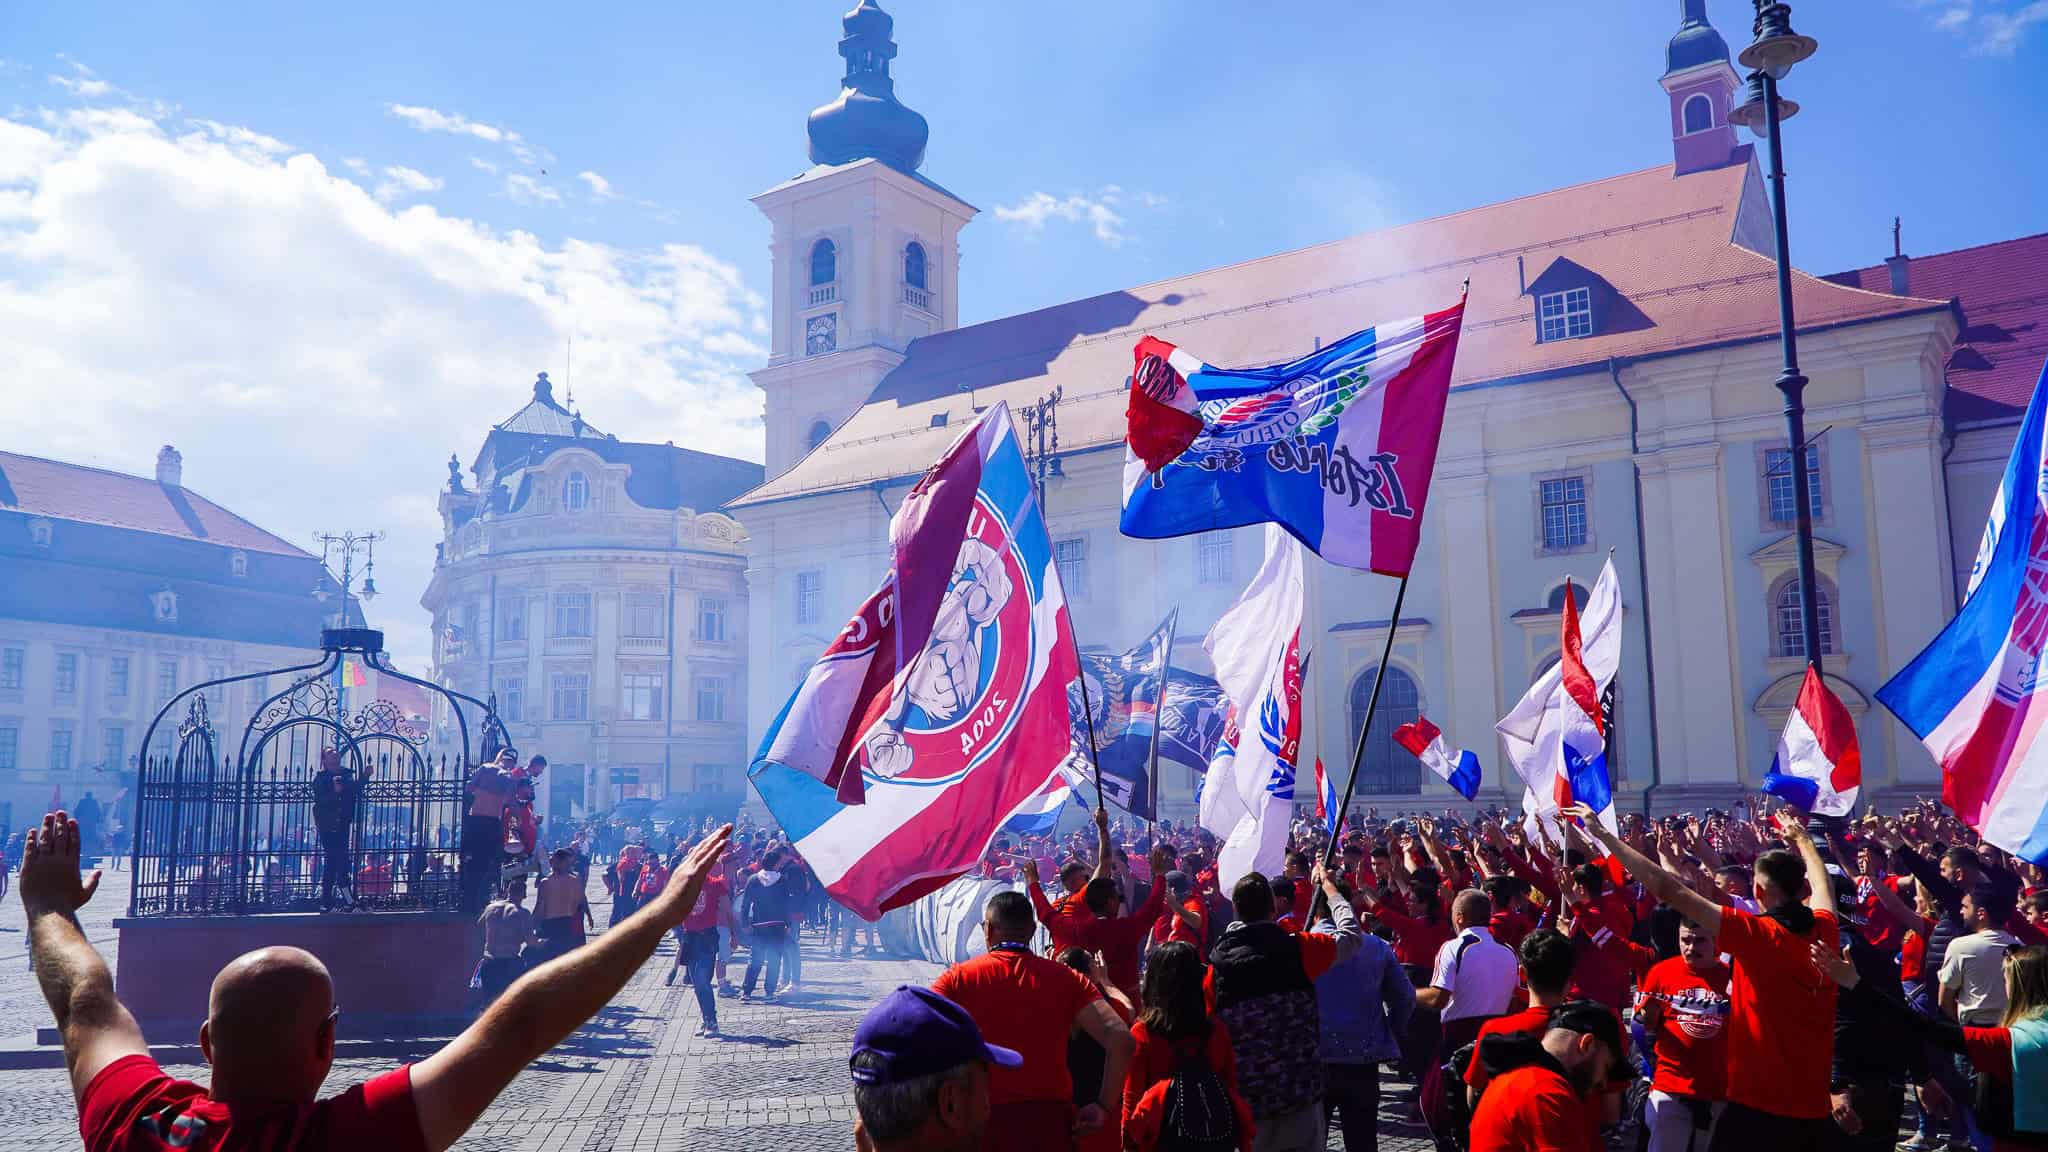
{"points": [[483, 829], [335, 792]]}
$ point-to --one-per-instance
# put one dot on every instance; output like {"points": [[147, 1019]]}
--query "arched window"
{"points": [[575, 492], [1578, 597], [1788, 629], [1699, 113], [824, 263], [819, 433], [913, 265], [1387, 769]]}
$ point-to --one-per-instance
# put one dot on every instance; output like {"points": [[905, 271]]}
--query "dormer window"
{"points": [[575, 492], [238, 563], [39, 532], [1565, 315], [166, 605], [1699, 113]]}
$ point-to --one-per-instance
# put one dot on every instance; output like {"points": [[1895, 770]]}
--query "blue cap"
{"points": [[916, 1032]]}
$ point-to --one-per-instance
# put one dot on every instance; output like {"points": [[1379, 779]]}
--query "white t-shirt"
{"points": [[1481, 981], [1975, 969]]}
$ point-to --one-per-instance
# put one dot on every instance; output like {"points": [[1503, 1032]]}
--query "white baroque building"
{"points": [[1613, 395], [592, 588]]}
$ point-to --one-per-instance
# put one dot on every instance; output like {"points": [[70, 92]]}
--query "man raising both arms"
{"points": [[269, 1032], [1781, 1009]]}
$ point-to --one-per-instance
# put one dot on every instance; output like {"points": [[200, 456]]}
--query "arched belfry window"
{"points": [[1699, 113], [824, 263], [1387, 768], [913, 265], [819, 433]]}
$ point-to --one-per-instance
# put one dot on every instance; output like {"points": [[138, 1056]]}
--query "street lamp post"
{"points": [[1770, 56], [347, 544]]}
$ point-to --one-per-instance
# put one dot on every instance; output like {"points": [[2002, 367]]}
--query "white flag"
{"points": [[1533, 733], [1256, 647]]}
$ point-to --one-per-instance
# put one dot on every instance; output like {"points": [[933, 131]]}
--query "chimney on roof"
{"points": [[170, 467], [1899, 265]]}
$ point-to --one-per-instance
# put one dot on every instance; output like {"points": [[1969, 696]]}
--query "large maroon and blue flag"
{"points": [[945, 720]]}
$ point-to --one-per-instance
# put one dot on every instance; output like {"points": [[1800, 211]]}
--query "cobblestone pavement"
{"points": [[633, 1080]]}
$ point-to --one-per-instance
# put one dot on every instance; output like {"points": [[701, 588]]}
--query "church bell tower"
{"points": [[865, 250]]}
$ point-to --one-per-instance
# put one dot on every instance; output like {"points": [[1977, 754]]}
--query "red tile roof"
{"points": [[2003, 289], [34, 486], [1670, 247]]}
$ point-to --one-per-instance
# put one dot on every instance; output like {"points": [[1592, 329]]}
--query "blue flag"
{"points": [[1125, 691]]}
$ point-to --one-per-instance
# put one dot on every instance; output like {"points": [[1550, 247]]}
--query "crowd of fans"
{"points": [[1737, 980]]}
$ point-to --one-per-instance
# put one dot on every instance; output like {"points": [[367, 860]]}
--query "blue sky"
{"points": [[219, 222]]}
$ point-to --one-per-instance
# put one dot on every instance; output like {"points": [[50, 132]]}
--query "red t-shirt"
{"points": [[1781, 1015], [1026, 1003], [1526, 1020], [1692, 1042], [1883, 932], [1170, 928], [1531, 1109], [131, 1106], [1913, 957], [704, 913], [1415, 940]]}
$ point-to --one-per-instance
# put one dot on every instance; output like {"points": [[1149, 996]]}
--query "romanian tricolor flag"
{"points": [[352, 675]]}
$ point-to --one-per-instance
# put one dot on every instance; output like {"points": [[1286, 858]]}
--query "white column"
{"points": [[1698, 716], [1472, 615], [1912, 585]]}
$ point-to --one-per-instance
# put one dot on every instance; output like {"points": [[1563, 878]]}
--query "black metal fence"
{"points": [[234, 834]]}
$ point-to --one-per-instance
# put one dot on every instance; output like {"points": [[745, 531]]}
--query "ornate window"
{"points": [[1387, 768], [1215, 557], [1788, 627], [238, 563], [576, 492], [166, 604], [1561, 504], [1699, 113], [1781, 495], [640, 695], [1564, 315], [39, 532], [572, 614], [711, 619], [913, 265], [824, 263]]}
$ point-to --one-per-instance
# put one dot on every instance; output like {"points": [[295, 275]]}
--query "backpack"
{"points": [[1198, 1115]]}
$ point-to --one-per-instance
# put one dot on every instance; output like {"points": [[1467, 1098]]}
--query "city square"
{"points": [[1341, 577]]}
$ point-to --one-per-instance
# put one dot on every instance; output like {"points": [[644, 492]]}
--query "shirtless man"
{"points": [[483, 829], [508, 927], [562, 909]]}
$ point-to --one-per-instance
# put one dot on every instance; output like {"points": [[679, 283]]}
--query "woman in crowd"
{"points": [[1183, 1063]]}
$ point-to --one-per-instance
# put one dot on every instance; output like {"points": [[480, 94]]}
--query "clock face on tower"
{"points": [[821, 334]]}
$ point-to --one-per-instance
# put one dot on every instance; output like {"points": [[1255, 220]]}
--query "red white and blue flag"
{"points": [[1818, 767], [1976, 696], [1459, 768], [1337, 447], [1326, 800], [1556, 736], [950, 718]]}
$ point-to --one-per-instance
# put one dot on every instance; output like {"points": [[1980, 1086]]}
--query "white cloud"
{"points": [[314, 353], [1999, 33], [1952, 18], [600, 188], [524, 189], [452, 123], [483, 165], [84, 86], [1035, 210], [400, 181]]}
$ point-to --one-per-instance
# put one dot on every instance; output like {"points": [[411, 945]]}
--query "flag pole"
{"points": [[1371, 708], [1088, 717], [1158, 706]]}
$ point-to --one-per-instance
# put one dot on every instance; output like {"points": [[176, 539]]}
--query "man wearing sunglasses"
{"points": [[269, 1031]]}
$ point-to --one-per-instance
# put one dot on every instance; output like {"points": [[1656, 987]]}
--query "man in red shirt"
{"points": [[1781, 1009], [697, 946], [269, 1032], [1184, 920], [1547, 960], [1063, 920], [1536, 1101], [1101, 928], [1683, 1004], [1032, 1005]]}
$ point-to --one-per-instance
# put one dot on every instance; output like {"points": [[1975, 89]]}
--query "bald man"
{"points": [[269, 1031]]}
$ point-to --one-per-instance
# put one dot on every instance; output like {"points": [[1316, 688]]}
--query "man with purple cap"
{"points": [[920, 1075]]}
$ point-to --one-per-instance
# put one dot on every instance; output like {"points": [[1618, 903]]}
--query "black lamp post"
{"points": [[1773, 52]]}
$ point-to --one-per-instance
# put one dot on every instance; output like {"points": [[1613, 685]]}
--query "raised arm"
{"points": [[1821, 898], [452, 1087], [1665, 886], [96, 1028]]}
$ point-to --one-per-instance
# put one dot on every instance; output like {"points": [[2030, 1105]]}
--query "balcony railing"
{"points": [[643, 643], [917, 297], [823, 294]]}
